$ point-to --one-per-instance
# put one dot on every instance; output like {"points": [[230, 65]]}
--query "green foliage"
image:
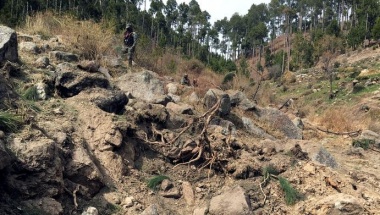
{"points": [[244, 67], [31, 94], [153, 182], [356, 36], [376, 29], [9, 122], [333, 28], [228, 77], [291, 194], [269, 170], [363, 143]]}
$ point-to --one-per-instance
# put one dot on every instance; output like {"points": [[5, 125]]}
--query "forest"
{"points": [[311, 28]]}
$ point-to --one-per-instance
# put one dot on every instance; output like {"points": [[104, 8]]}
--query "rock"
{"points": [[201, 211], [46, 205], [113, 198], [151, 210], [5, 159], [63, 56], [212, 96], [42, 62], [370, 135], [279, 121], [325, 158], [70, 82], [309, 168], [188, 193], [41, 158], [29, 47], [166, 185], [41, 91], [339, 204], [172, 88], [8, 45], [89, 66], [174, 121], [91, 211], [2, 134], [298, 122], [254, 130], [232, 201], [128, 202], [193, 98], [172, 193], [180, 108], [240, 100], [145, 85], [111, 101], [297, 152]]}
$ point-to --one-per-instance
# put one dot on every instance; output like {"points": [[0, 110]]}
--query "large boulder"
{"points": [[38, 166], [240, 100], [233, 201], [8, 45], [255, 130], [212, 96], [70, 81], [145, 85], [279, 121]]}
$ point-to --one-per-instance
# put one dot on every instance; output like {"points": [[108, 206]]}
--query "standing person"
{"points": [[130, 39]]}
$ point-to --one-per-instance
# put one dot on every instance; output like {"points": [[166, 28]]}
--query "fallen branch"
{"points": [[350, 133]]}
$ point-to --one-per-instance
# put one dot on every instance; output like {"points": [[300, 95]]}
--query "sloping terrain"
{"points": [[101, 140]]}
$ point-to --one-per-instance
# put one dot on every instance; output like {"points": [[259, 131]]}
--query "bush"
{"points": [[155, 181], [291, 194], [363, 143]]}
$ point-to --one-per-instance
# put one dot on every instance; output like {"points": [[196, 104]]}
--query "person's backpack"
{"points": [[129, 39]]}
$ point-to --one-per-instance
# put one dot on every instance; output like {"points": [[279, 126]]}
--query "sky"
{"points": [[218, 9]]}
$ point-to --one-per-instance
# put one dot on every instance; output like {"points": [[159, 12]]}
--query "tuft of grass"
{"points": [[9, 122], [153, 182], [269, 170], [291, 194], [31, 94], [363, 143]]}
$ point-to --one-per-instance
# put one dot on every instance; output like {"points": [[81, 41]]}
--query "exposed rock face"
{"points": [[40, 161], [233, 201], [278, 120], [111, 101], [46, 205], [145, 85], [254, 130], [212, 96], [70, 81], [8, 45]]}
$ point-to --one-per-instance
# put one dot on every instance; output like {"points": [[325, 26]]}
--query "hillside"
{"points": [[108, 139]]}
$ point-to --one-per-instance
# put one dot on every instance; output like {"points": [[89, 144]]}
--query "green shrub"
{"points": [[291, 194], [155, 181], [363, 143], [9, 122], [269, 170]]}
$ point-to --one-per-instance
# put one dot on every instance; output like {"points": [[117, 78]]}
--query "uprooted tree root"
{"points": [[197, 147]]}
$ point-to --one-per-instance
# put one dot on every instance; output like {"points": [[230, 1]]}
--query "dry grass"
{"points": [[340, 119], [89, 39]]}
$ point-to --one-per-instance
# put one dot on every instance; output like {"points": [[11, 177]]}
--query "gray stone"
{"points": [[193, 98], [70, 82], [91, 211], [370, 135], [340, 203], [211, 98], [111, 101], [151, 210], [324, 157], [145, 85], [42, 62], [254, 130], [166, 185], [29, 47], [41, 91], [64, 56], [128, 202], [280, 121], [298, 122], [8, 45], [233, 201], [200, 210], [180, 108], [172, 88], [188, 193], [47, 205], [247, 105], [172, 193]]}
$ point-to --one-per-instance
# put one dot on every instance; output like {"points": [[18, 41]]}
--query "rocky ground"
{"points": [[101, 140]]}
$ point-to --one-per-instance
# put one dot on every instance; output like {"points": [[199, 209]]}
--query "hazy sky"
{"points": [[218, 9]]}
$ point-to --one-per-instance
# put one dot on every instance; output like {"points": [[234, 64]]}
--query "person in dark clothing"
{"points": [[130, 40]]}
